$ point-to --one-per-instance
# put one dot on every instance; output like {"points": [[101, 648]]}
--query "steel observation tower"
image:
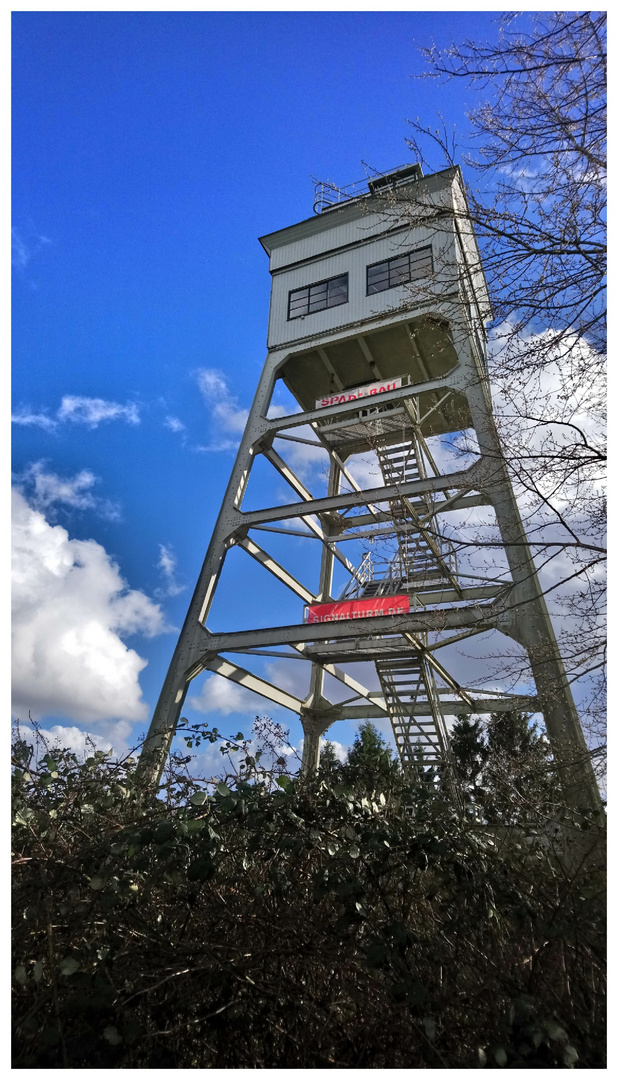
{"points": [[377, 349]]}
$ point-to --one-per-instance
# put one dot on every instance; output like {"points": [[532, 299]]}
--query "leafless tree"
{"points": [[534, 167]]}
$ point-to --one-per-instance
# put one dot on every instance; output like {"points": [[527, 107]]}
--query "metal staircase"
{"points": [[421, 563], [409, 685]]}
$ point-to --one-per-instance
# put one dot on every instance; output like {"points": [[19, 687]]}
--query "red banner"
{"points": [[358, 609], [361, 391]]}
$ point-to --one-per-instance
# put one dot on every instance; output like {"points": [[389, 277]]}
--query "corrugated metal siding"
{"points": [[354, 262], [353, 221], [472, 252], [310, 247]]}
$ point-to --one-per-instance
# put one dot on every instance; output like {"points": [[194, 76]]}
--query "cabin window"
{"points": [[324, 294], [399, 270]]}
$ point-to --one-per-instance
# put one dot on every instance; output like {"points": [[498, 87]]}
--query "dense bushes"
{"points": [[255, 924]]}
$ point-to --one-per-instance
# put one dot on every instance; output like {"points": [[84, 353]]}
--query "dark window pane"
{"points": [[400, 261], [298, 302], [298, 295], [400, 274], [318, 290], [377, 273], [338, 283], [338, 290], [398, 270], [339, 298], [419, 271], [422, 265], [379, 286], [377, 278], [323, 294]]}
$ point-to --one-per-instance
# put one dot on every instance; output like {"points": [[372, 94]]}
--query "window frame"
{"points": [[392, 259], [316, 285]]}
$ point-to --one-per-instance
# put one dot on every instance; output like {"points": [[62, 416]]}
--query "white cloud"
{"points": [[46, 489], [290, 676], [27, 418], [365, 470], [174, 424], [92, 411], [218, 446], [306, 461], [167, 560], [25, 243], [341, 751], [167, 566], [71, 608], [78, 410], [81, 743], [219, 695], [222, 403]]}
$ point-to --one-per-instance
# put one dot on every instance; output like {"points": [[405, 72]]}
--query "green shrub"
{"points": [[270, 923]]}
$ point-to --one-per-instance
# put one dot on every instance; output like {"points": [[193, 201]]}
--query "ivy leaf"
{"points": [[195, 826], [430, 1027], [69, 965], [284, 782], [569, 1056], [555, 1032], [164, 832], [500, 1056], [113, 1036], [198, 798], [20, 975], [223, 789]]}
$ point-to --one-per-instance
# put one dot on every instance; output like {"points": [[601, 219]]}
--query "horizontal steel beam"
{"points": [[520, 702], [328, 653], [481, 707], [467, 478], [463, 502], [353, 628], [449, 596], [359, 404]]}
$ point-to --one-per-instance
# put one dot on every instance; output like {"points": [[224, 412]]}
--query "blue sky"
{"points": [[150, 150]]}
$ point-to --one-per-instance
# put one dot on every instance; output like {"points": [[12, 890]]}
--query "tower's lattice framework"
{"points": [[377, 332]]}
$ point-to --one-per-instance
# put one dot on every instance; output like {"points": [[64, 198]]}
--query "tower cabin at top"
{"points": [[379, 286]]}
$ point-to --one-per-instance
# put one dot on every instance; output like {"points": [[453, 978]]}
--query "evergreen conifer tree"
{"points": [[370, 763], [469, 750], [505, 768], [330, 764], [519, 777]]}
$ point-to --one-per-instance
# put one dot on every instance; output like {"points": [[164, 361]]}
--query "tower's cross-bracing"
{"points": [[375, 389]]}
